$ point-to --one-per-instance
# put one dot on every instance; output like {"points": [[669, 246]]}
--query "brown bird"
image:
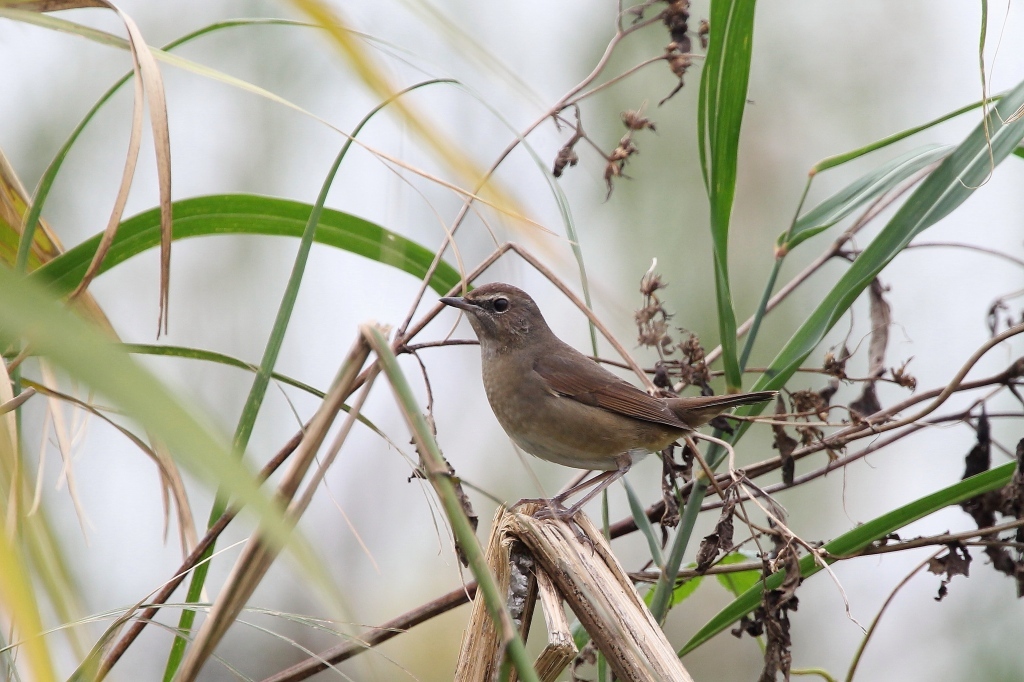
{"points": [[562, 406]]}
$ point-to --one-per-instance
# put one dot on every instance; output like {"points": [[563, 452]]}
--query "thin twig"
{"points": [[561, 104]]}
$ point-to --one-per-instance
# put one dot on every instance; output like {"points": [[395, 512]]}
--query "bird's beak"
{"points": [[458, 302]]}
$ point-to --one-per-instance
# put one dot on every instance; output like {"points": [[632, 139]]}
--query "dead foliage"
{"points": [[719, 541], [771, 618], [1007, 502]]}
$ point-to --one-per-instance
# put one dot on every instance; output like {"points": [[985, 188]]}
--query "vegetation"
{"points": [[844, 396]]}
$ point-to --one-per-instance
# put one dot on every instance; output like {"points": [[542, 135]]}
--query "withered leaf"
{"points": [[957, 561], [830, 390], [721, 539], [784, 443], [670, 473], [661, 377], [703, 30], [773, 614], [1012, 503], [810, 402], [979, 459], [982, 508], [809, 434], [707, 552], [651, 283], [881, 320], [790, 562], [615, 168], [867, 404], [675, 17]]}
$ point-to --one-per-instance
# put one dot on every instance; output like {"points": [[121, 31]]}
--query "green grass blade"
{"points": [[839, 159], [52, 570], [231, 361], [723, 97], [856, 540], [858, 193], [680, 592], [955, 179], [215, 357], [636, 508], [253, 215]]}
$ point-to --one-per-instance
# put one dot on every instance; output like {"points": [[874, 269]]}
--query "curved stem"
{"points": [[874, 623]]}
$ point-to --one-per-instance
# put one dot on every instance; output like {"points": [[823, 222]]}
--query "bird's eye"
{"points": [[500, 305]]}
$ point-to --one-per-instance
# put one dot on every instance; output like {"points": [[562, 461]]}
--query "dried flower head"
{"points": [[567, 156], [634, 120]]}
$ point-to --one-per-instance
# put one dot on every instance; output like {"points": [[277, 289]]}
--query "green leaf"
{"points": [[680, 592], [215, 357], [856, 540], [845, 157], [684, 590], [741, 581], [858, 193], [955, 179], [253, 215], [636, 508], [723, 97]]}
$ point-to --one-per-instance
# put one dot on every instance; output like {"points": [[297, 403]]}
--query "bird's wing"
{"points": [[583, 380]]}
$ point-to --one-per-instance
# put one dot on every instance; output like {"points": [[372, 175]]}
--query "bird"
{"points": [[560, 405]]}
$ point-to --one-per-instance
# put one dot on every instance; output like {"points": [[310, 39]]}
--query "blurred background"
{"points": [[826, 78]]}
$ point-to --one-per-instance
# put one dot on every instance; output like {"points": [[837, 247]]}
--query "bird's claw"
{"points": [[554, 509]]}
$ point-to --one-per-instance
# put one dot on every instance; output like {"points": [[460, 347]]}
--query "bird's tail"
{"points": [[700, 410]]}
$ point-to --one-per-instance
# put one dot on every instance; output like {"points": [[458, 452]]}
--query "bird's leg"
{"points": [[555, 507]]}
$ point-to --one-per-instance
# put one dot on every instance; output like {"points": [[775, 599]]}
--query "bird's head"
{"points": [[503, 316]]}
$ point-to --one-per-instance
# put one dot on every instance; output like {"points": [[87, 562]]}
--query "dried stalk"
{"points": [[603, 598]]}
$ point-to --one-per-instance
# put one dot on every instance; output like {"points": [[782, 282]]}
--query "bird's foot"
{"points": [[554, 509], [549, 508], [540, 501]]}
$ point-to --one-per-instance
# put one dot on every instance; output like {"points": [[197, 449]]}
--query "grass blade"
{"points": [[254, 215], [636, 508], [723, 97], [839, 159], [858, 193], [955, 179], [215, 357]]}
